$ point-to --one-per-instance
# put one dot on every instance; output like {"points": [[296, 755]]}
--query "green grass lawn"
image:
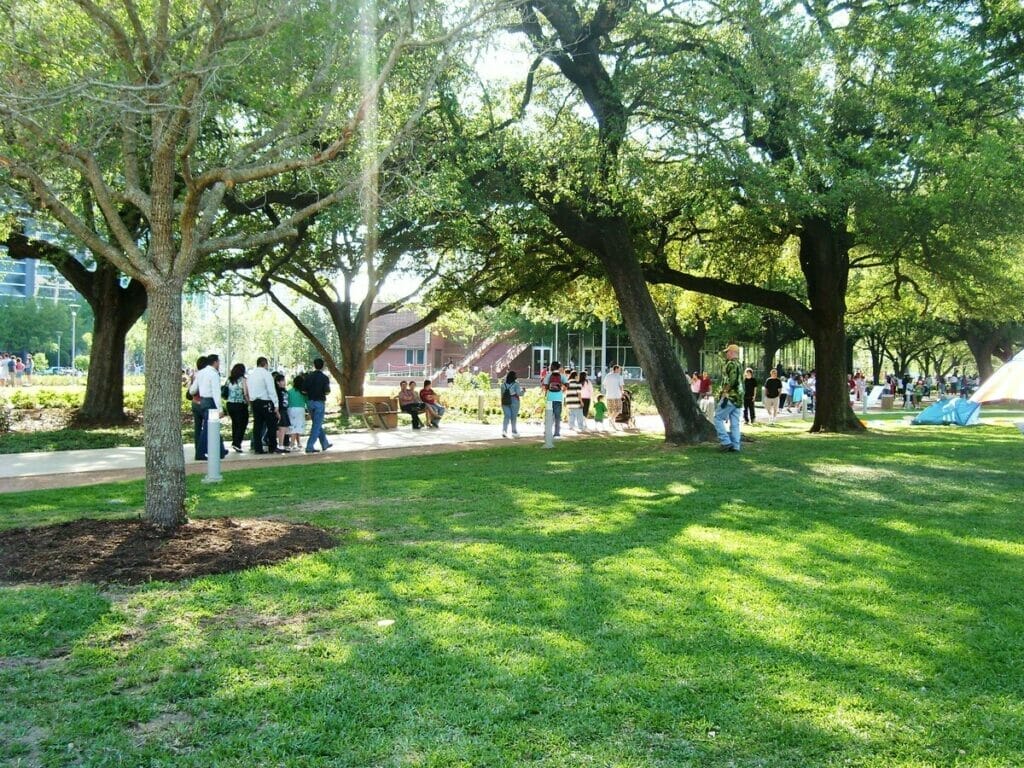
{"points": [[813, 601]]}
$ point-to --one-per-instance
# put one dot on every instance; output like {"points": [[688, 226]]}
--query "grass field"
{"points": [[813, 601]]}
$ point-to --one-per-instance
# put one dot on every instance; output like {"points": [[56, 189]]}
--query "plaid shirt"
{"points": [[731, 387]]}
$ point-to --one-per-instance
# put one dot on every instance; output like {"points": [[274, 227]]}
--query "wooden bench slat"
{"points": [[377, 411]]}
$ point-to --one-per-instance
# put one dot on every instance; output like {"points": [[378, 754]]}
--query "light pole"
{"points": [[230, 351], [58, 348], [74, 317]]}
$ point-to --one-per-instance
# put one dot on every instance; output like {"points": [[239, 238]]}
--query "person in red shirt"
{"points": [[434, 409]]}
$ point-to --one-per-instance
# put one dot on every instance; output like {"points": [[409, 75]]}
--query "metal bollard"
{"points": [[212, 447], [549, 425]]}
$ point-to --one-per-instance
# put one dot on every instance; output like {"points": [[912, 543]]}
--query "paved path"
{"points": [[63, 469]]}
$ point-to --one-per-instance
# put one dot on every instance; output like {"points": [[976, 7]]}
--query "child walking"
{"points": [[296, 412], [283, 424], [600, 410]]}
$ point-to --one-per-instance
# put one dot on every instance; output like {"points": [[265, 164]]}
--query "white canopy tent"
{"points": [[1005, 384]]}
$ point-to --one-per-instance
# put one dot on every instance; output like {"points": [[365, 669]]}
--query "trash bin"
{"points": [[887, 402]]}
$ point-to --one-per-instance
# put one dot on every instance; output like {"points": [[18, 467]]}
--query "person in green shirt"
{"points": [[297, 404], [729, 402], [600, 409]]}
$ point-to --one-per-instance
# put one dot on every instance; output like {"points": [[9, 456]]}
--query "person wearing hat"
{"points": [[730, 400]]}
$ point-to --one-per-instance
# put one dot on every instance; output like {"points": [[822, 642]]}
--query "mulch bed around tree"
{"points": [[134, 552]]}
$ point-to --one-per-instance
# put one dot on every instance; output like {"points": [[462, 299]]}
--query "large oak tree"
{"points": [[161, 110]]}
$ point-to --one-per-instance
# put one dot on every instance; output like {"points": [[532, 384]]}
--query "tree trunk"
{"points": [[824, 259], [352, 375], [670, 388], [165, 459], [771, 343], [982, 349], [115, 310], [691, 342]]}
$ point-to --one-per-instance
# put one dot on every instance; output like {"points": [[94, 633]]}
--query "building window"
{"points": [[414, 357]]}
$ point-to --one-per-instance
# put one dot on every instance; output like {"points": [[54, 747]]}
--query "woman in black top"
{"points": [[749, 393], [772, 391]]}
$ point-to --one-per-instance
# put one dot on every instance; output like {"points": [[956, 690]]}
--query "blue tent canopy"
{"points": [[950, 410]]}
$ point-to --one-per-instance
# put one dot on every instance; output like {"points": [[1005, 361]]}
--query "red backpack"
{"points": [[555, 382]]}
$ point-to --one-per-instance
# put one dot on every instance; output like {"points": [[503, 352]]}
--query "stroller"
{"points": [[625, 416]]}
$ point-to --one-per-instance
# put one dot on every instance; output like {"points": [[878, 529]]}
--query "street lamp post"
{"points": [[58, 348], [74, 317]]}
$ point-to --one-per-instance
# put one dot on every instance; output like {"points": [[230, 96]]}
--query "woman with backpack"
{"points": [[511, 392]]}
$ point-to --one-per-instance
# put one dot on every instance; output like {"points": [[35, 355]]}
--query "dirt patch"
{"points": [[40, 419], [134, 552]]}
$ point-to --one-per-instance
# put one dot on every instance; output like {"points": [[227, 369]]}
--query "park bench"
{"points": [[376, 411]]}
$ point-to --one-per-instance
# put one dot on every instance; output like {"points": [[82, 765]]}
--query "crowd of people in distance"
{"points": [[280, 410], [15, 371], [911, 390], [795, 392]]}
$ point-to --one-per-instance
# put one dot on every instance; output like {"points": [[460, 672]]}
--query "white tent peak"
{"points": [[1005, 384]]}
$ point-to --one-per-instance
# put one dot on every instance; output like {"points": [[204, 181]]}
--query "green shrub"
{"points": [[467, 401], [480, 382], [47, 398], [133, 397]]}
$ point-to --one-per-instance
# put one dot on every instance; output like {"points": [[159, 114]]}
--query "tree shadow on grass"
{"points": [[661, 611]]}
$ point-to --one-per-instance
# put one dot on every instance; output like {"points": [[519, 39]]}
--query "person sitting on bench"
{"points": [[409, 403], [434, 409]]}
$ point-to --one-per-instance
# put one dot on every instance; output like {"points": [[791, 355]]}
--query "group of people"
{"points": [[278, 410], [423, 403], [792, 392], [572, 390], [14, 371], [737, 396], [913, 389]]}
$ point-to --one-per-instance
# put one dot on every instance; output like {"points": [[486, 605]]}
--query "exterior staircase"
{"points": [[505, 361], [475, 355]]}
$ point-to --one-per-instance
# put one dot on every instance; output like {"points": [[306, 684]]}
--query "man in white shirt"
{"points": [[612, 385], [207, 386], [263, 396]]}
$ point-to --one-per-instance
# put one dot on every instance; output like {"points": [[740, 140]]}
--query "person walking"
{"points": [[574, 403], [207, 386], [316, 387], [238, 405], [600, 409], [730, 395], [554, 392], [749, 395], [263, 396], [198, 422], [511, 392], [284, 424], [787, 391], [772, 393], [612, 385], [586, 394], [297, 407], [860, 389]]}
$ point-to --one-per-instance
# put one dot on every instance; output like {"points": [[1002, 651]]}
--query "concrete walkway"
{"points": [[63, 469]]}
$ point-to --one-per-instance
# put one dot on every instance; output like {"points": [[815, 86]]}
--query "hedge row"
{"points": [[70, 397]]}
